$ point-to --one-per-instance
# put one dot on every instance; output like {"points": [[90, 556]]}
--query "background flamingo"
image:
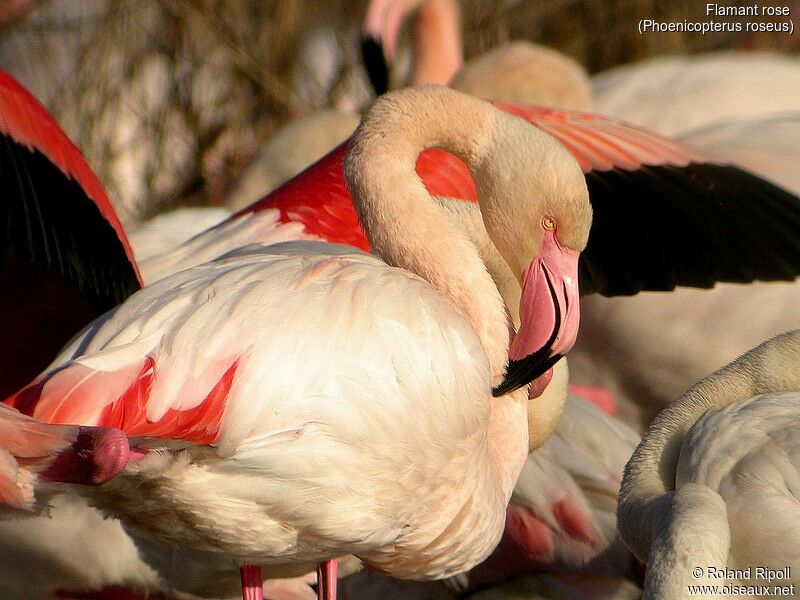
{"points": [[712, 482]]}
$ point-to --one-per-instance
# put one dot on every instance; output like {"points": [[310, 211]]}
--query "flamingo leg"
{"points": [[327, 576], [252, 582]]}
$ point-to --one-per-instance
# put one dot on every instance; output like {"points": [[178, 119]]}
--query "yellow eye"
{"points": [[548, 223]]}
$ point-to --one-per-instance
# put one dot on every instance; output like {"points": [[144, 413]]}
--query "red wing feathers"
{"points": [[27, 122], [79, 394]]}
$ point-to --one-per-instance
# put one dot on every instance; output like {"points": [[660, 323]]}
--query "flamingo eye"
{"points": [[549, 223]]}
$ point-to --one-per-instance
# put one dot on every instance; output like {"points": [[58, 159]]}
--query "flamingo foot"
{"points": [[252, 582], [327, 577]]}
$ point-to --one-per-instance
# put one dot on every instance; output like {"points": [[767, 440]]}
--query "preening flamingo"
{"points": [[319, 202], [282, 430], [714, 482], [644, 349]]}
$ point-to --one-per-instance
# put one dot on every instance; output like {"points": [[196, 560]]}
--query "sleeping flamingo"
{"points": [[257, 438], [714, 481], [317, 203]]}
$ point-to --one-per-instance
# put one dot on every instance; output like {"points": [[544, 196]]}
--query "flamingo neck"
{"points": [[403, 223], [693, 531], [645, 494], [467, 216], [438, 55]]}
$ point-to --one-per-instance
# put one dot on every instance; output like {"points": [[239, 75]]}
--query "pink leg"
{"points": [[327, 575], [252, 582]]}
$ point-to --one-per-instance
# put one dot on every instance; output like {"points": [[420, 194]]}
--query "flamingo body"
{"points": [[677, 94], [714, 480], [200, 382], [560, 526], [749, 454], [294, 423]]}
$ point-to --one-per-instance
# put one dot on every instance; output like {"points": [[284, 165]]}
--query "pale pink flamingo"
{"points": [[225, 389], [318, 202], [714, 482]]}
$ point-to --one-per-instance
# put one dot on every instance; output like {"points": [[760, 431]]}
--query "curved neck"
{"points": [[650, 474], [467, 217], [404, 225], [437, 43]]}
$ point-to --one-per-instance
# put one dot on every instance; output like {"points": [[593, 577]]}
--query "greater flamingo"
{"points": [[317, 204], [276, 434], [714, 483]]}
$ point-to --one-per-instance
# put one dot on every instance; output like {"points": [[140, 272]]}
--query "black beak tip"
{"points": [[520, 373], [375, 64]]}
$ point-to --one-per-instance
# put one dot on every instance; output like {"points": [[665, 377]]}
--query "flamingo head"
{"points": [[539, 221]]}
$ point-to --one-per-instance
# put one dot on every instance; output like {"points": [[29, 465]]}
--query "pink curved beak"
{"points": [[549, 316]]}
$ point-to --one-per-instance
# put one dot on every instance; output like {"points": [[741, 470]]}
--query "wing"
{"points": [[248, 346], [665, 215], [64, 253]]}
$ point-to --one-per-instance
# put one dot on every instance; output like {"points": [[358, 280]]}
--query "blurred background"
{"points": [[169, 100]]}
